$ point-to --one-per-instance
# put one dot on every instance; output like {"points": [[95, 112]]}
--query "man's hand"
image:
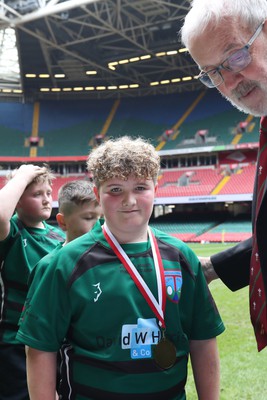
{"points": [[208, 269]]}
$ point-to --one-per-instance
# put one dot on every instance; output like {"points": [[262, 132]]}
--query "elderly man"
{"points": [[228, 41]]}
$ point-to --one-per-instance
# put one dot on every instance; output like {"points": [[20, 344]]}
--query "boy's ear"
{"points": [[61, 221], [96, 194], [156, 187]]}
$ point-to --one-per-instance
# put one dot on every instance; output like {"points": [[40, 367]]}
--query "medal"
{"points": [[165, 353]]}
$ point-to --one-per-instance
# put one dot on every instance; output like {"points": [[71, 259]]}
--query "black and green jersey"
{"points": [[37, 272], [19, 253], [87, 296]]}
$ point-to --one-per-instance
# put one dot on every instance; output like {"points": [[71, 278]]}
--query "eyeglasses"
{"points": [[236, 62]]}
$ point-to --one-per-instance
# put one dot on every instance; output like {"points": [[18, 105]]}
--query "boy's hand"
{"points": [[28, 172]]}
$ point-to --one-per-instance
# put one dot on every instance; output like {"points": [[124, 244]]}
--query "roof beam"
{"points": [[50, 10]]}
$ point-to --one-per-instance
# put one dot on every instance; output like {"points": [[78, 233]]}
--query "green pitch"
{"points": [[243, 369]]}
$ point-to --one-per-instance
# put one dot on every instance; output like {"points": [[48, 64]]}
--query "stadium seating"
{"points": [[183, 231], [201, 182], [67, 128], [61, 180], [230, 231], [241, 182], [206, 231]]}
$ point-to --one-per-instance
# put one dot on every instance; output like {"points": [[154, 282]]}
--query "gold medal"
{"points": [[165, 353]]}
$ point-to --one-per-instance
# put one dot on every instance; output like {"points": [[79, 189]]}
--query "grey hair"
{"points": [[204, 12]]}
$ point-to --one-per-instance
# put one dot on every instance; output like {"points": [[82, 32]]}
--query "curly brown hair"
{"points": [[123, 157]]}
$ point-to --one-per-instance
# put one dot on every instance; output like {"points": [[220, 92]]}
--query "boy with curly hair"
{"points": [[131, 301]]}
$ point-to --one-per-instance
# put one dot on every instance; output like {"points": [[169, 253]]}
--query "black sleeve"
{"points": [[233, 265]]}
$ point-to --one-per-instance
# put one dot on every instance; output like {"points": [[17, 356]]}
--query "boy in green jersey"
{"points": [[78, 211], [131, 301], [25, 237]]}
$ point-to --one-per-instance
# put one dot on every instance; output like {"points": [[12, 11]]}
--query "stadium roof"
{"points": [[95, 48]]}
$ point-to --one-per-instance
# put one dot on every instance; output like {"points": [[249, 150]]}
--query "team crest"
{"points": [[174, 282]]}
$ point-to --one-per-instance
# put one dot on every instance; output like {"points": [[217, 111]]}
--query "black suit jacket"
{"points": [[233, 265]]}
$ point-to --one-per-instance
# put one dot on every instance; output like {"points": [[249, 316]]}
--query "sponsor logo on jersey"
{"points": [[174, 281], [140, 337]]}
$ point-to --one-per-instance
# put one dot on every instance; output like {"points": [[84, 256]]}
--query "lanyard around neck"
{"points": [[158, 307]]}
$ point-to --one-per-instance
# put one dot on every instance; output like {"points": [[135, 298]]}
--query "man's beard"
{"points": [[242, 90]]}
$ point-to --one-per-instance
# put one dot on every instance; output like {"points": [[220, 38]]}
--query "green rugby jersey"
{"points": [[19, 253], [87, 296]]}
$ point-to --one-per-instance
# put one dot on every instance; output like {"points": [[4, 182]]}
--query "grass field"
{"points": [[243, 369]]}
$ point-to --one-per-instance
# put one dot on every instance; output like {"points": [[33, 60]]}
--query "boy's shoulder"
{"points": [[16, 229], [83, 243], [64, 261], [176, 243], [39, 269], [18, 226], [55, 232], [17, 223], [48, 257]]}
